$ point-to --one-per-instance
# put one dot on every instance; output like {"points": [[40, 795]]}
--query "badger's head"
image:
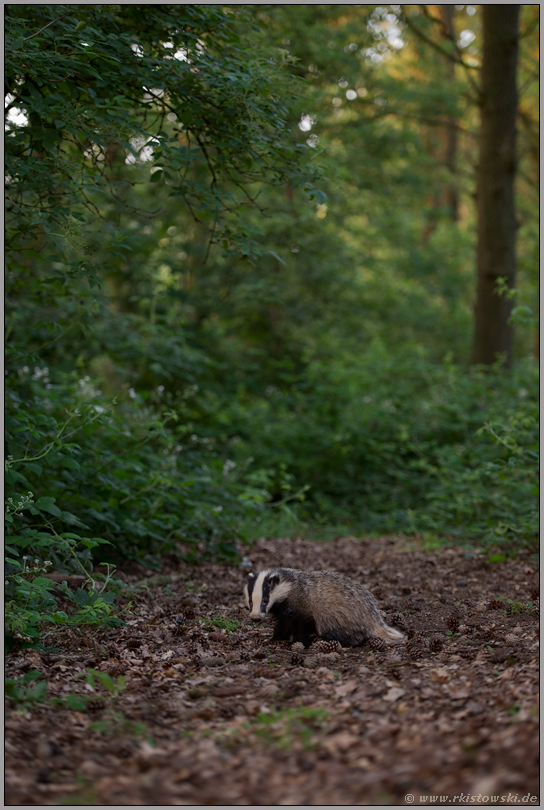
{"points": [[263, 591]]}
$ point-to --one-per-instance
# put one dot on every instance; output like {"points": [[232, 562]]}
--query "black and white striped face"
{"points": [[262, 591]]}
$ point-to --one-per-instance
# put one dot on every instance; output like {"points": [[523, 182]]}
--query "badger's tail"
{"points": [[389, 634]]}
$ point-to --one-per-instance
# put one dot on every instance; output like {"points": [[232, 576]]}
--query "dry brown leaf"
{"points": [[340, 742], [440, 675], [345, 688], [394, 694]]}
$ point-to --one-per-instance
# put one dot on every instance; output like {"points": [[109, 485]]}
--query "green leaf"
{"points": [[71, 464], [82, 598], [36, 468], [76, 703], [47, 504], [73, 520]]}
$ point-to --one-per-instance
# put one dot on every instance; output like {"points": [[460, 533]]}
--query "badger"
{"points": [[316, 604]]}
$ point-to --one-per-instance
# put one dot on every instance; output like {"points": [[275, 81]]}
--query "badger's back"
{"points": [[346, 611]]}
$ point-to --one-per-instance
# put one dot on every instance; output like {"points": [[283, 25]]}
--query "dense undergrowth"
{"points": [[405, 445]]}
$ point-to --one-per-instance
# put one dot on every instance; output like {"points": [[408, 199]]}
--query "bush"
{"points": [[88, 477], [401, 444]]}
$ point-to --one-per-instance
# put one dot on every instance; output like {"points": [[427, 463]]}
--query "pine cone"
{"points": [[495, 604], [311, 662], [298, 647], [396, 655], [328, 659], [96, 705], [452, 623], [133, 643], [179, 630], [414, 650], [535, 594], [436, 644], [326, 646], [297, 660], [377, 644], [200, 638], [410, 632], [245, 655], [112, 668]]}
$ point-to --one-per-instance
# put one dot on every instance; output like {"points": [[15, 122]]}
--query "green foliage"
{"points": [[40, 444], [191, 88], [29, 689], [118, 724], [95, 96], [112, 481], [94, 677], [26, 690], [222, 623], [285, 727], [401, 444], [515, 606]]}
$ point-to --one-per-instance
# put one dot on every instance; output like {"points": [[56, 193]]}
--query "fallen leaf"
{"points": [[456, 691], [394, 694], [228, 691], [346, 688], [440, 675], [340, 742]]}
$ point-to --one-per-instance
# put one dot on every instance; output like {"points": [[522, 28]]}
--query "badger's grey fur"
{"points": [[322, 604]]}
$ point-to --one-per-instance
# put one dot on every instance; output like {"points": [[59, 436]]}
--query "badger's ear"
{"points": [[251, 575], [273, 580]]}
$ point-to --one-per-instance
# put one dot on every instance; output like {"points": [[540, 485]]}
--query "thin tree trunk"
{"points": [[444, 194], [450, 135], [495, 184]]}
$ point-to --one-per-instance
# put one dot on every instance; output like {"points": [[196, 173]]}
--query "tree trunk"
{"points": [[495, 184], [444, 196], [450, 196]]}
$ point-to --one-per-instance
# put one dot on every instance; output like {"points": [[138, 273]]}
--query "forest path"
{"points": [[212, 717]]}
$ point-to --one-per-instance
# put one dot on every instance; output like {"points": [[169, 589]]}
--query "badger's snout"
{"points": [[257, 617]]}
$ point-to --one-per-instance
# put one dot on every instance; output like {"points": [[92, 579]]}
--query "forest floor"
{"points": [[209, 713]]}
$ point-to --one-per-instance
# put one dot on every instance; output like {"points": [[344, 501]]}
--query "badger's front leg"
{"points": [[304, 630], [283, 630]]}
